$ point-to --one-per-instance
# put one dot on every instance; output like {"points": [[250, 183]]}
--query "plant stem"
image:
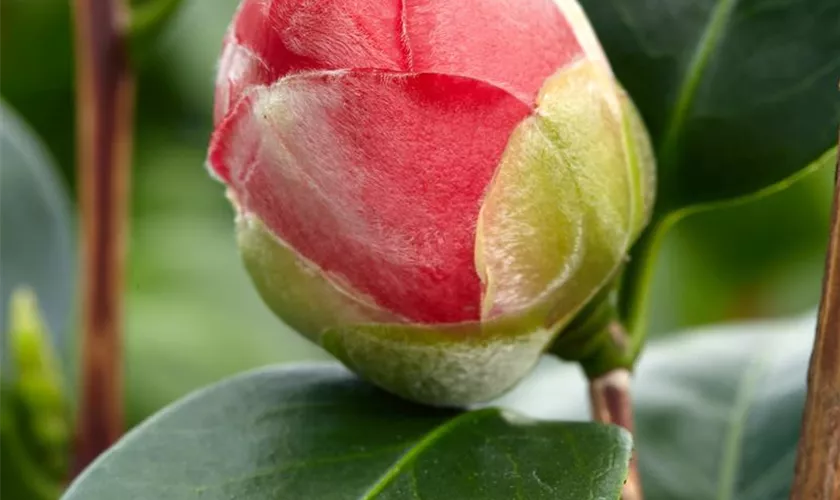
{"points": [[818, 457], [105, 109], [634, 295], [609, 395]]}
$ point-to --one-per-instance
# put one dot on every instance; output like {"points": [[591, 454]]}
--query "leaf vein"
{"points": [[422, 445], [737, 425], [706, 45]]}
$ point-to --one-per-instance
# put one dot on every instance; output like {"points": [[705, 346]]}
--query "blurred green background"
{"points": [[192, 315]]}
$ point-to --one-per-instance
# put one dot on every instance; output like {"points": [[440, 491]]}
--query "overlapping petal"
{"points": [[376, 177], [512, 45], [558, 217], [429, 189]]}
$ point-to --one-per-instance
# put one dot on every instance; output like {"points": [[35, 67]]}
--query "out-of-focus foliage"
{"points": [[37, 256], [148, 19], [192, 314], [34, 416], [37, 244], [761, 259], [37, 70], [718, 408]]}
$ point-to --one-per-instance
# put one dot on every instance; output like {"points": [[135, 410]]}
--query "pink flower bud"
{"points": [[429, 189]]}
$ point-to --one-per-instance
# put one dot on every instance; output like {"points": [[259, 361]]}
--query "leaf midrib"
{"points": [[422, 445], [733, 440], [706, 45]]}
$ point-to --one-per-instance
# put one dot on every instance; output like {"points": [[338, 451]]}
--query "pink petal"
{"points": [[512, 45], [376, 177], [284, 36], [239, 69], [515, 45]]}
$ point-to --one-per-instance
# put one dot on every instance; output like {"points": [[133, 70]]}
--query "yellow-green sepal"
{"points": [[442, 365], [296, 290], [448, 365], [597, 338]]}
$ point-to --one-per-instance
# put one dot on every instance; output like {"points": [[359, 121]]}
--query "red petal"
{"points": [[376, 177], [324, 34], [239, 69], [514, 45]]}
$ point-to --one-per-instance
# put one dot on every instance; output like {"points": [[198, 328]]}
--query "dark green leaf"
{"points": [[37, 75], [737, 94], [36, 236], [317, 432], [718, 410]]}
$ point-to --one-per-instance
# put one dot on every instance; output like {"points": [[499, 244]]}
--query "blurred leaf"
{"points": [[193, 316], [764, 258], [148, 19], [193, 43], [36, 235], [718, 411], [318, 432], [738, 95], [30, 33], [638, 275], [36, 50], [34, 423]]}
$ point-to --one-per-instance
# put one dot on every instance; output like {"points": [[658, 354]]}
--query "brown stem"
{"points": [[105, 109], [609, 395], [818, 458]]}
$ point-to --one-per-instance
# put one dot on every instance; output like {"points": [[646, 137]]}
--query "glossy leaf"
{"points": [[718, 411], [36, 238], [319, 432], [737, 95]]}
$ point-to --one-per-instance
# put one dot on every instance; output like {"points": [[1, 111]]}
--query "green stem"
{"points": [[609, 333], [634, 292]]}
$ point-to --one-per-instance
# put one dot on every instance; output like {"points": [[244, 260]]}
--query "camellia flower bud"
{"points": [[429, 189]]}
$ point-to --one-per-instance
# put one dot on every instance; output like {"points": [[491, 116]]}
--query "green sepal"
{"points": [[596, 339]]}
